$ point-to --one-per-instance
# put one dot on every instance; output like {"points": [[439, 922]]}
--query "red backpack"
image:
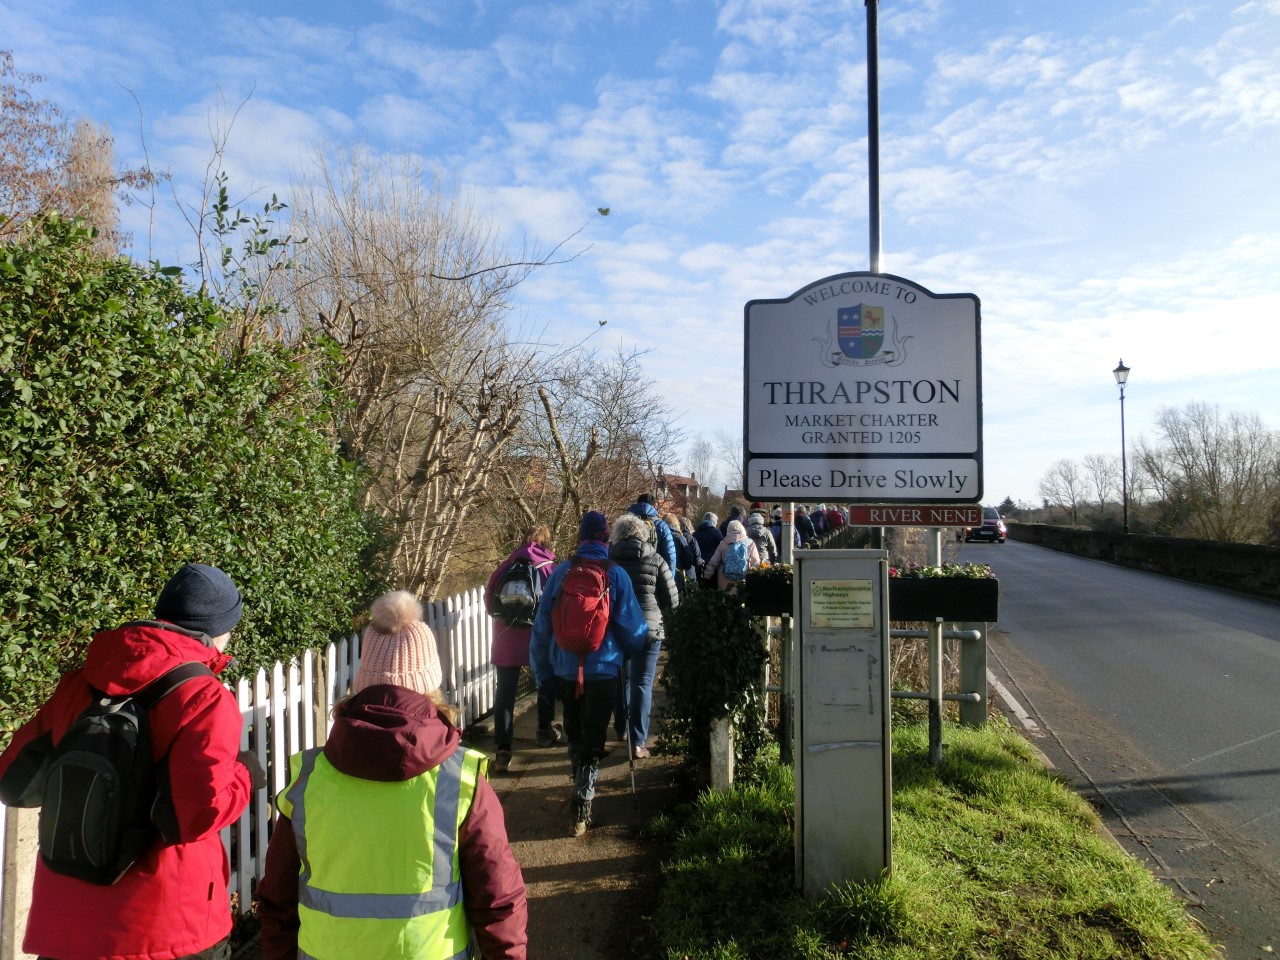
{"points": [[580, 616]]}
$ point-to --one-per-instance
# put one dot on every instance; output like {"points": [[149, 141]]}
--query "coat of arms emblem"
{"points": [[860, 335], [860, 331]]}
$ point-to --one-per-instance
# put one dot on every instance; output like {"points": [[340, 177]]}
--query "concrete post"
{"points": [[721, 755]]}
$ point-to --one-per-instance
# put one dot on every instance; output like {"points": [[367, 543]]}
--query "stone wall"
{"points": [[1243, 567]]}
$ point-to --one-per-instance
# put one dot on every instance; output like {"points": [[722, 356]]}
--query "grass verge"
{"points": [[992, 858]]}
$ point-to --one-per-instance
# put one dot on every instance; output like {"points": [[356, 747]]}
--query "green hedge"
{"points": [[132, 441]]}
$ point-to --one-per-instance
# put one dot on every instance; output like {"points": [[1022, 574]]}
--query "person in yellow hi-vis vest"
{"points": [[390, 841]]}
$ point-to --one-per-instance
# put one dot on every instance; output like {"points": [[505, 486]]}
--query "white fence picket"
{"points": [[308, 700], [291, 709]]}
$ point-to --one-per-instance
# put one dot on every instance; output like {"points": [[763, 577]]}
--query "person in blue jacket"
{"points": [[587, 714], [666, 545]]}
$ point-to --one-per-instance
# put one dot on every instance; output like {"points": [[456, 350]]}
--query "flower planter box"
{"points": [[955, 599], [767, 596]]}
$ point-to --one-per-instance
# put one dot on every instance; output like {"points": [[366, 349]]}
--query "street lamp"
{"points": [[1122, 377]]}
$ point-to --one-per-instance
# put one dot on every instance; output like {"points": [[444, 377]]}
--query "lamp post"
{"points": [[1122, 377]]}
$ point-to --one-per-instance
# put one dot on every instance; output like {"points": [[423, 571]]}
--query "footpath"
{"points": [[590, 898], [593, 897]]}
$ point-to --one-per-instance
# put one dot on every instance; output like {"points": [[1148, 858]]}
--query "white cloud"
{"points": [[1100, 178]]}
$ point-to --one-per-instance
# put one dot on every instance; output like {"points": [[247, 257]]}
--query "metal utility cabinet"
{"points": [[842, 731]]}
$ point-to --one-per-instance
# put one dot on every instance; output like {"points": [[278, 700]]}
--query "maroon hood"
{"points": [[126, 659], [389, 733]]}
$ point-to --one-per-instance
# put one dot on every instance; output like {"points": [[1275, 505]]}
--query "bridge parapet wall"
{"points": [[1247, 568]]}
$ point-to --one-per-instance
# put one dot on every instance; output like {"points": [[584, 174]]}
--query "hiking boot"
{"points": [[581, 817], [502, 763], [548, 736], [640, 753]]}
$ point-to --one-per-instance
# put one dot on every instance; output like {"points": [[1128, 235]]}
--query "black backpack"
{"points": [[515, 599], [98, 784]]}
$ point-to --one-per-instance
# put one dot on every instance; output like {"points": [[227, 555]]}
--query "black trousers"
{"points": [[586, 717]]}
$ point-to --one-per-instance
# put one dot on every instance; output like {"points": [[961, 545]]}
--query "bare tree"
{"points": [[91, 184], [729, 448], [1102, 472], [33, 144], [1063, 485], [701, 460], [1215, 476], [45, 167], [592, 439]]}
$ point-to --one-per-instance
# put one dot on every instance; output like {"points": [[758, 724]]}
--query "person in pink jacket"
{"points": [[511, 652], [736, 533]]}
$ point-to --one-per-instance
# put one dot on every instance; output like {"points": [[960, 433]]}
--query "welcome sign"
{"points": [[864, 388]]}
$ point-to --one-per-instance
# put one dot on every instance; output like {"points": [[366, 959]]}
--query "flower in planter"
{"points": [[923, 571], [772, 570]]}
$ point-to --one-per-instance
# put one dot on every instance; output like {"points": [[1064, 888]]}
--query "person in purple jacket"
{"points": [[511, 652]]}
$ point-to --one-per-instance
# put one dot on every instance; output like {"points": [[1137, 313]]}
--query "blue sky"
{"points": [[1103, 176]]}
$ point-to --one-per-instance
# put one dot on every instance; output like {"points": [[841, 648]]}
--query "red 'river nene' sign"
{"points": [[929, 515]]}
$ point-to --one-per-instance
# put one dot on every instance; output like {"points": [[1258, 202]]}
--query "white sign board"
{"points": [[864, 388]]}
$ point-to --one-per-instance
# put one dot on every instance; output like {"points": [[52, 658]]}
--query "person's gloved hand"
{"points": [[257, 775]]}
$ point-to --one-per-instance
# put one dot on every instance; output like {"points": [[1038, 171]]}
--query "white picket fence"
{"points": [[288, 709]]}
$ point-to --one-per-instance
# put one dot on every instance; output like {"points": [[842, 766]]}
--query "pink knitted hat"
{"points": [[398, 647]]}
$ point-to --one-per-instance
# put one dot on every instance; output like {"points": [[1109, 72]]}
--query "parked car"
{"points": [[992, 528]]}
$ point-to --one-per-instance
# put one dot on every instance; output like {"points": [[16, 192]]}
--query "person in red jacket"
{"points": [[373, 807], [173, 902]]}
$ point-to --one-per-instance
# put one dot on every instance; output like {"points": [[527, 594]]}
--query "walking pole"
{"points": [[631, 754]]}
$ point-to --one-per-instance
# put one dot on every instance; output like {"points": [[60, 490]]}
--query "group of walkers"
{"points": [[593, 640], [389, 840], [643, 563]]}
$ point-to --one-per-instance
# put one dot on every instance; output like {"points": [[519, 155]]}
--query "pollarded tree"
{"points": [[591, 438], [413, 286]]}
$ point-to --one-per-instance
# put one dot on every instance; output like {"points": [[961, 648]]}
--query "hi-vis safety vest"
{"points": [[380, 874]]}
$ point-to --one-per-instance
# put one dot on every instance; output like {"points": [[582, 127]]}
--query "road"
{"points": [[1159, 700]]}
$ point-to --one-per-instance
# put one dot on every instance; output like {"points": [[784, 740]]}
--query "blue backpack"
{"points": [[735, 560]]}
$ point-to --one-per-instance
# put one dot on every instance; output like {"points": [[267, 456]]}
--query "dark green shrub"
{"points": [[715, 652], [131, 441]]}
